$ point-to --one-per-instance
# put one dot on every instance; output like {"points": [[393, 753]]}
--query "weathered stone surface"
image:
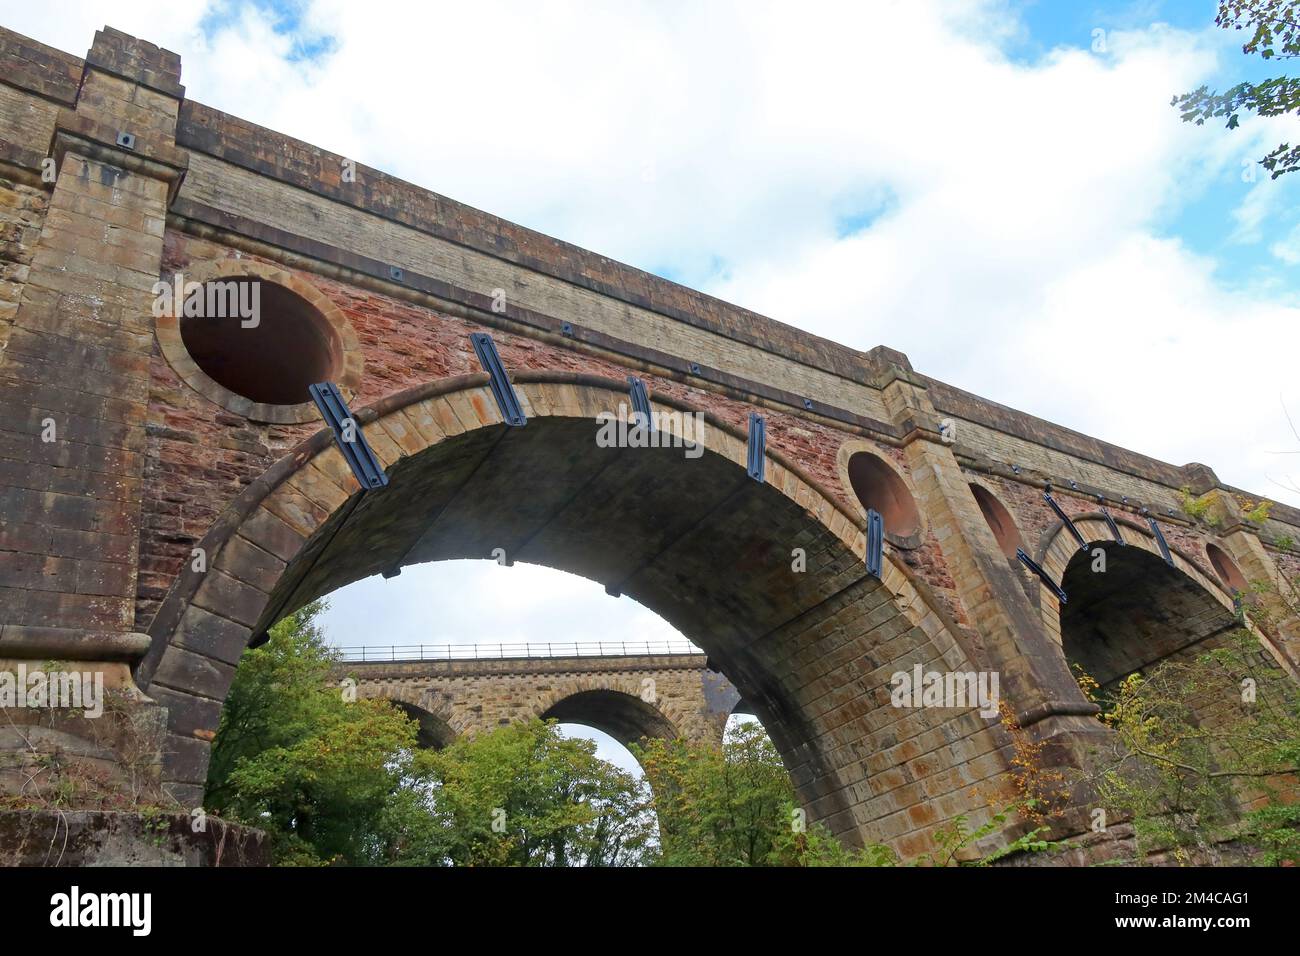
{"points": [[151, 457], [628, 697], [115, 838]]}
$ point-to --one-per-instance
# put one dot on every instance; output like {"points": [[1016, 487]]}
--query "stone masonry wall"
{"points": [[474, 696]]}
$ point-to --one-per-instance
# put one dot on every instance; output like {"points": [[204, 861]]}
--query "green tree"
{"points": [[1207, 751], [1274, 27], [523, 795], [734, 805], [334, 779], [294, 756]]}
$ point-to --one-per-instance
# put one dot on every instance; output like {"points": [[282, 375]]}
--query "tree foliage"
{"points": [[524, 795], [734, 805], [1206, 754], [340, 780], [294, 756], [1274, 27], [336, 780]]}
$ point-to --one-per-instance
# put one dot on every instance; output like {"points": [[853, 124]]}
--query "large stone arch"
{"points": [[612, 705], [696, 540], [1144, 610], [1207, 606], [1059, 550]]}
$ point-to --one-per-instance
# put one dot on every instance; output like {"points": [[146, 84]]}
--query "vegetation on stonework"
{"points": [[1273, 28], [1206, 754], [59, 781], [1199, 508]]}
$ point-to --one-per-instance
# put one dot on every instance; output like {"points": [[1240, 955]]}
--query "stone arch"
{"points": [[1144, 610], [1059, 548], [610, 704], [1209, 611], [700, 543], [350, 361], [439, 723]]}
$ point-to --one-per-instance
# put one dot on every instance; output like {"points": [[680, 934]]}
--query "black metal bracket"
{"points": [[1033, 565], [1114, 528], [641, 402], [875, 543], [348, 435], [757, 447], [1065, 519], [502, 390], [1160, 540]]}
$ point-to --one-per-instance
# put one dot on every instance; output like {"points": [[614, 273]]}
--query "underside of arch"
{"points": [[694, 539], [623, 716], [1134, 614], [810, 644], [434, 733]]}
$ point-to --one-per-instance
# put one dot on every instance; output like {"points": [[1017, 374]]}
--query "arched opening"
{"points": [[1227, 570], [434, 733], [1131, 612], [1135, 613], [999, 521], [689, 535], [626, 718], [496, 643], [879, 487], [260, 340]]}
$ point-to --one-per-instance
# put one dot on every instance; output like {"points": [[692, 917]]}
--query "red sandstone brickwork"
{"points": [[201, 456]]}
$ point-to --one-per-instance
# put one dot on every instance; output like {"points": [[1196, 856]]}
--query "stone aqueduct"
{"points": [[628, 696], [130, 443]]}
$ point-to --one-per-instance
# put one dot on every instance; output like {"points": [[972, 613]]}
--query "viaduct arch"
{"points": [[628, 696], [164, 496], [694, 539]]}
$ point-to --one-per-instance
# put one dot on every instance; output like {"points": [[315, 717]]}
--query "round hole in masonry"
{"points": [[879, 487], [999, 521], [260, 340], [1227, 569]]}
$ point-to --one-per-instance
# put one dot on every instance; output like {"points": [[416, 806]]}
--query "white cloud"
{"points": [[480, 602], [1288, 248]]}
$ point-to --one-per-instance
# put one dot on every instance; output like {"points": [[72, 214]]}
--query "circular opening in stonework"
{"points": [[1227, 569], [260, 340], [879, 487], [999, 521]]}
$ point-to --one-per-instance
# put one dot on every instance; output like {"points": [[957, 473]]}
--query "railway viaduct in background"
{"points": [[629, 691], [168, 490]]}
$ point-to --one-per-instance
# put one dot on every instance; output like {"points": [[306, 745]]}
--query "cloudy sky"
{"points": [[999, 189]]}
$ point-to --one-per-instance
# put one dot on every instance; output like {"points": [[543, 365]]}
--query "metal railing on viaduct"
{"points": [[470, 652]]}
